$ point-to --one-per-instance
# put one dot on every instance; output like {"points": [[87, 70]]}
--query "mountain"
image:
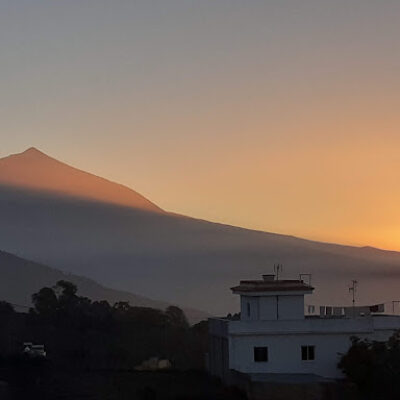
{"points": [[35, 170], [147, 251], [21, 278]]}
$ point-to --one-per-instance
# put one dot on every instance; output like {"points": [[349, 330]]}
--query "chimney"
{"points": [[269, 277]]}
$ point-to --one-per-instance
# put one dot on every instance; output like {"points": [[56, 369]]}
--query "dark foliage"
{"points": [[93, 347], [6, 309], [375, 367], [85, 334], [50, 384]]}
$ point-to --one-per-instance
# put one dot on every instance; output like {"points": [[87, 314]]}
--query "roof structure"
{"points": [[257, 286]]}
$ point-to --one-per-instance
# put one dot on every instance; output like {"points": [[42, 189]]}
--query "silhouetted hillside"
{"points": [[20, 278]]}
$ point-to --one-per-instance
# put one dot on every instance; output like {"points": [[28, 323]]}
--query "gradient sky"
{"points": [[275, 115]]}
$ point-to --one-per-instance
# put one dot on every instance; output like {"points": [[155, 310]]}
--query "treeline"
{"points": [[79, 332]]}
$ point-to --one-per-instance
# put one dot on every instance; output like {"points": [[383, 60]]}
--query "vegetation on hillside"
{"points": [[93, 348], [78, 332]]}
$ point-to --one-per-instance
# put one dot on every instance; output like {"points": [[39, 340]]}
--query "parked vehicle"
{"points": [[34, 350]]}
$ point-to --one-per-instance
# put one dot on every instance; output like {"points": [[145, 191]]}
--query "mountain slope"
{"points": [[21, 278], [178, 259], [35, 170]]}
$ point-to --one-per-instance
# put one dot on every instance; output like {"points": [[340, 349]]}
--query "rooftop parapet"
{"points": [[268, 285]]}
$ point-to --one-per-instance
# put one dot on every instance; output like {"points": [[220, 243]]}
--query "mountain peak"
{"points": [[31, 150], [33, 169]]}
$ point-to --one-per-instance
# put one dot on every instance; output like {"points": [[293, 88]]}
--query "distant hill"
{"points": [[147, 251], [20, 278]]}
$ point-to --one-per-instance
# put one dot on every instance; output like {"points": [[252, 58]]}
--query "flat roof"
{"points": [[254, 286]]}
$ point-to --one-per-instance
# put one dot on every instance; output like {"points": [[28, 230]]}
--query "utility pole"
{"points": [[353, 289]]}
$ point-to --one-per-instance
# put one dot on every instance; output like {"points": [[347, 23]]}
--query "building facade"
{"points": [[273, 335]]}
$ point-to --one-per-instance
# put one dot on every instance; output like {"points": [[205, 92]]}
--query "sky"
{"points": [[278, 115]]}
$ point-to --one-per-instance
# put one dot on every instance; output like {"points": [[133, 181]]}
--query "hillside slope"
{"points": [[177, 259], [20, 278]]}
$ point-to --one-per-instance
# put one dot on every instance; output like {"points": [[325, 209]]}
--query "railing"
{"points": [[317, 325]]}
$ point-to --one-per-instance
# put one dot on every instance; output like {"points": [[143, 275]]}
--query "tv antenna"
{"points": [[277, 269], [353, 290]]}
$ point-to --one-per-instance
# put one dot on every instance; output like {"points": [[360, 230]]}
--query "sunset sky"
{"points": [[278, 115]]}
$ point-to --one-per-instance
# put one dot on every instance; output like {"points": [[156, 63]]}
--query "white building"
{"points": [[273, 336]]}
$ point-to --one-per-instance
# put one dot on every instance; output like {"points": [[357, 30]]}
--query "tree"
{"points": [[177, 317], [374, 366], [45, 301], [67, 289], [6, 308], [68, 302], [78, 331]]}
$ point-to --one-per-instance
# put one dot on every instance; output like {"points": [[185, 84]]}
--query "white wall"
{"points": [[284, 339], [254, 308], [284, 353], [268, 310], [291, 307]]}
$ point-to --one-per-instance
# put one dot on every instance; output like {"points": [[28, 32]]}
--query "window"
{"points": [[260, 354], [248, 309], [308, 353]]}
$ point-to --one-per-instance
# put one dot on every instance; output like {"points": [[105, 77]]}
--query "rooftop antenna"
{"points": [[353, 290], [277, 269], [306, 275]]}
